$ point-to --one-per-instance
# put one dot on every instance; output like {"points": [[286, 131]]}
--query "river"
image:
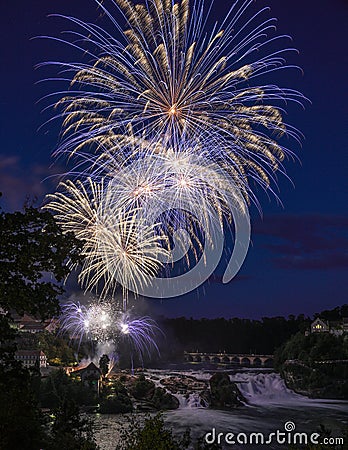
{"points": [[270, 405]]}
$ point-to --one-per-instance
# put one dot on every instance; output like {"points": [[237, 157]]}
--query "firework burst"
{"points": [[169, 127], [178, 187], [105, 322], [139, 334], [167, 76], [95, 321], [118, 246]]}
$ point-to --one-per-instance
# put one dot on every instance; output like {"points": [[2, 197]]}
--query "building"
{"points": [[29, 324], [90, 376], [337, 327], [319, 326], [31, 327], [30, 357], [345, 325], [51, 325]]}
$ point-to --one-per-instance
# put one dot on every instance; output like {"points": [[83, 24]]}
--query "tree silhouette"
{"points": [[104, 364]]}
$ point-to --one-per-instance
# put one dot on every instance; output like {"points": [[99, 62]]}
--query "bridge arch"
{"points": [[226, 358], [257, 362], [268, 362], [245, 361]]}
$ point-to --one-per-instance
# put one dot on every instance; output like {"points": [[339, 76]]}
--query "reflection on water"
{"points": [[270, 406]]}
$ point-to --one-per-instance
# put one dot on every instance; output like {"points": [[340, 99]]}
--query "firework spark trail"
{"points": [[179, 187], [95, 321], [140, 332], [167, 76], [113, 360], [72, 320], [169, 129], [184, 188], [173, 181], [118, 246], [105, 322]]}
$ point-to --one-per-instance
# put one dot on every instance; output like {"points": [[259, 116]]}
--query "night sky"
{"points": [[298, 259]]}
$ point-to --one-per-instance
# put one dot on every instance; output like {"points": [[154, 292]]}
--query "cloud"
{"points": [[309, 241]]}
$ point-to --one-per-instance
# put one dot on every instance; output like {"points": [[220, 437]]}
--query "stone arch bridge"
{"points": [[231, 359]]}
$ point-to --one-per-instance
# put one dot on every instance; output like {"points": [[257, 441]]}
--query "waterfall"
{"points": [[192, 400], [257, 387], [261, 388]]}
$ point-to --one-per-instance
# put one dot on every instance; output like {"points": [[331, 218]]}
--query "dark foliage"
{"points": [[33, 252], [337, 313], [104, 364], [59, 386], [229, 335], [71, 431], [313, 348], [117, 404], [33, 257], [142, 388], [152, 434], [115, 399], [315, 364], [21, 423], [224, 393], [56, 347]]}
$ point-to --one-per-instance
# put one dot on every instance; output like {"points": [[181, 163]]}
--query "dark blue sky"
{"points": [[298, 260]]}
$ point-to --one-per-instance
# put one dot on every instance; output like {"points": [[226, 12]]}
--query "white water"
{"points": [[270, 405], [187, 400], [262, 388], [258, 388], [193, 400]]}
